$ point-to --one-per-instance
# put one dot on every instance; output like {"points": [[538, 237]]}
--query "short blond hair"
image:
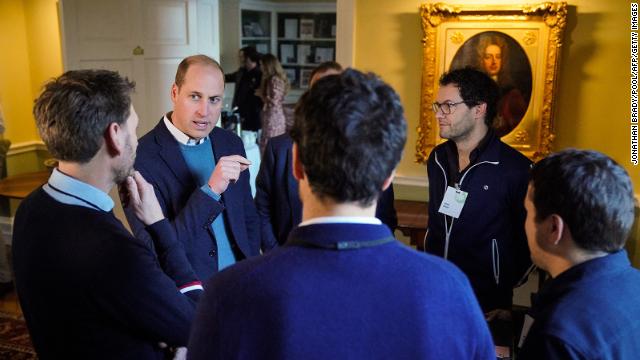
{"points": [[193, 60]]}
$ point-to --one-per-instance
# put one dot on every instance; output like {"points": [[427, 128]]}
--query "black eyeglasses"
{"points": [[446, 108]]}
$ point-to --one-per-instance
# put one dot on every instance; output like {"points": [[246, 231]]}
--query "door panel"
{"points": [[159, 76], [169, 28], [141, 39]]}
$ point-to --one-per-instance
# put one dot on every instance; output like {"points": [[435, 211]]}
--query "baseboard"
{"points": [[26, 157], [418, 181], [27, 146]]}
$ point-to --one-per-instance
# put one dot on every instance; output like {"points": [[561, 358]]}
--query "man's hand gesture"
{"points": [[139, 194], [227, 172]]}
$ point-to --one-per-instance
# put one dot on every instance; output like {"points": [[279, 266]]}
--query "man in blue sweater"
{"points": [[580, 208], [199, 173], [342, 287], [88, 289]]}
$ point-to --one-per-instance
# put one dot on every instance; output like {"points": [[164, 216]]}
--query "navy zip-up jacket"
{"points": [[590, 311], [487, 241]]}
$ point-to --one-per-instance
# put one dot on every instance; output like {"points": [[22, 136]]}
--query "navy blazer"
{"points": [[188, 208], [277, 198]]}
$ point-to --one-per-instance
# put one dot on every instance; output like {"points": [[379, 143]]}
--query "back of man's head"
{"points": [[75, 109], [590, 192], [328, 67], [187, 62], [350, 131], [475, 87]]}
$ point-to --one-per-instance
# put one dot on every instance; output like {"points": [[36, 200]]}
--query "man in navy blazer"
{"points": [[342, 287], [277, 198], [198, 172]]}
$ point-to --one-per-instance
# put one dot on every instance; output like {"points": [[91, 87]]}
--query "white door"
{"points": [[141, 39]]}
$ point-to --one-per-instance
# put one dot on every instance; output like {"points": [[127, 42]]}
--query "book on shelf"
{"points": [[247, 30], [256, 29], [252, 29], [291, 28], [304, 53], [323, 54], [291, 75], [306, 28], [305, 76], [262, 48], [322, 28], [286, 54]]}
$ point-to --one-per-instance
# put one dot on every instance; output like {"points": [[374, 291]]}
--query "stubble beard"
{"points": [[123, 172], [458, 132]]}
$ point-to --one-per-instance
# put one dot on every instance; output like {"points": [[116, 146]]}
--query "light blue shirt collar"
{"points": [[342, 220], [67, 190], [181, 137]]}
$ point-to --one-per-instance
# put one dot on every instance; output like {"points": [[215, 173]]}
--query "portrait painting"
{"points": [[505, 61], [517, 46]]}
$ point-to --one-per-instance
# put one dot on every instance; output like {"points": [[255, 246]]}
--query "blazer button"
{"points": [[212, 253]]}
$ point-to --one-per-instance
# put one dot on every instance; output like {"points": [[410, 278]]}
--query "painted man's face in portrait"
{"points": [[492, 60]]}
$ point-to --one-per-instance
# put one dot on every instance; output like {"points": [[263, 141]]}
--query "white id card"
{"points": [[453, 202]]}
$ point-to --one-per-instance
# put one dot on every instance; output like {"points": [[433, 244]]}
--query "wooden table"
{"points": [[19, 186], [412, 220]]}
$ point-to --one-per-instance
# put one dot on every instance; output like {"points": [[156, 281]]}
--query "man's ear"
{"points": [[387, 182], [555, 229], [113, 139], [297, 167], [481, 110], [174, 93]]}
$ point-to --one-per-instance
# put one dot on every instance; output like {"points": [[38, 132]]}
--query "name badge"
{"points": [[453, 202]]}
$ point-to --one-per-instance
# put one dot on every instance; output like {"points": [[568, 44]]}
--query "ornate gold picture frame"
{"points": [[526, 40]]}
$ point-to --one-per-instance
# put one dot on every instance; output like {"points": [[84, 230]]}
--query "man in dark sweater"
{"points": [[580, 208], [277, 199], [342, 287], [88, 289]]}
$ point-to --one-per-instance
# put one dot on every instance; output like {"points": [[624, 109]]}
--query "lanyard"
{"points": [[343, 245]]}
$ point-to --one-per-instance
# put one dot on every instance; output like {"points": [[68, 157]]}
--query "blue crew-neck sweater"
{"points": [[201, 163]]}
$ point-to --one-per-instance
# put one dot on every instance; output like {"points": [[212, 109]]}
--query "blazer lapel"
{"points": [[233, 198], [171, 154], [295, 206]]}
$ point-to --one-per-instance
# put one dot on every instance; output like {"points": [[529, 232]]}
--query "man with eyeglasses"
{"points": [[477, 186]]}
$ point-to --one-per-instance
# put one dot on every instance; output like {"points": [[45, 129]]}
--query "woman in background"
{"points": [[273, 89]]}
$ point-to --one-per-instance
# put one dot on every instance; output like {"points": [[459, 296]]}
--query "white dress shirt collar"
{"points": [[181, 137], [342, 220]]}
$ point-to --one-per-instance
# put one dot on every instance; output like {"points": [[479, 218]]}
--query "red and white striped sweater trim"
{"points": [[195, 285]]}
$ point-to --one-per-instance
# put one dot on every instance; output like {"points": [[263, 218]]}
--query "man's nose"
{"points": [[203, 108]]}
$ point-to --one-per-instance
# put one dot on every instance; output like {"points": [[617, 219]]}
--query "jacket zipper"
{"points": [[449, 229]]}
